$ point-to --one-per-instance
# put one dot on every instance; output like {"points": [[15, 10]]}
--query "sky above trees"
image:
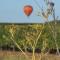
{"points": [[11, 11]]}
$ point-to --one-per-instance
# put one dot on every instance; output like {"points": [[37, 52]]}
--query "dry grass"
{"points": [[7, 55]]}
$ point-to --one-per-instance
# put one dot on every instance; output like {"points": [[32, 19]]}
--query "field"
{"points": [[8, 55]]}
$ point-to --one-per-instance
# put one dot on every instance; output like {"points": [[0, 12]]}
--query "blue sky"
{"points": [[11, 11]]}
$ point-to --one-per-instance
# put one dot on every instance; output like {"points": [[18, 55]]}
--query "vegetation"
{"points": [[31, 37], [26, 34]]}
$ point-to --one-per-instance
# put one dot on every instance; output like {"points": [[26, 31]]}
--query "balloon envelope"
{"points": [[28, 10]]}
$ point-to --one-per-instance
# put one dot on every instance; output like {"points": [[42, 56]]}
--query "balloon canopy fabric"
{"points": [[28, 10]]}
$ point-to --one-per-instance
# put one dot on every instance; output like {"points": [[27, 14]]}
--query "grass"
{"points": [[7, 55]]}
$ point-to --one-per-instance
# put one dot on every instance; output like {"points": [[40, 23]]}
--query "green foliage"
{"points": [[26, 34]]}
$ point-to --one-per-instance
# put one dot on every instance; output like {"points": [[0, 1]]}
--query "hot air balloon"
{"points": [[28, 10]]}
